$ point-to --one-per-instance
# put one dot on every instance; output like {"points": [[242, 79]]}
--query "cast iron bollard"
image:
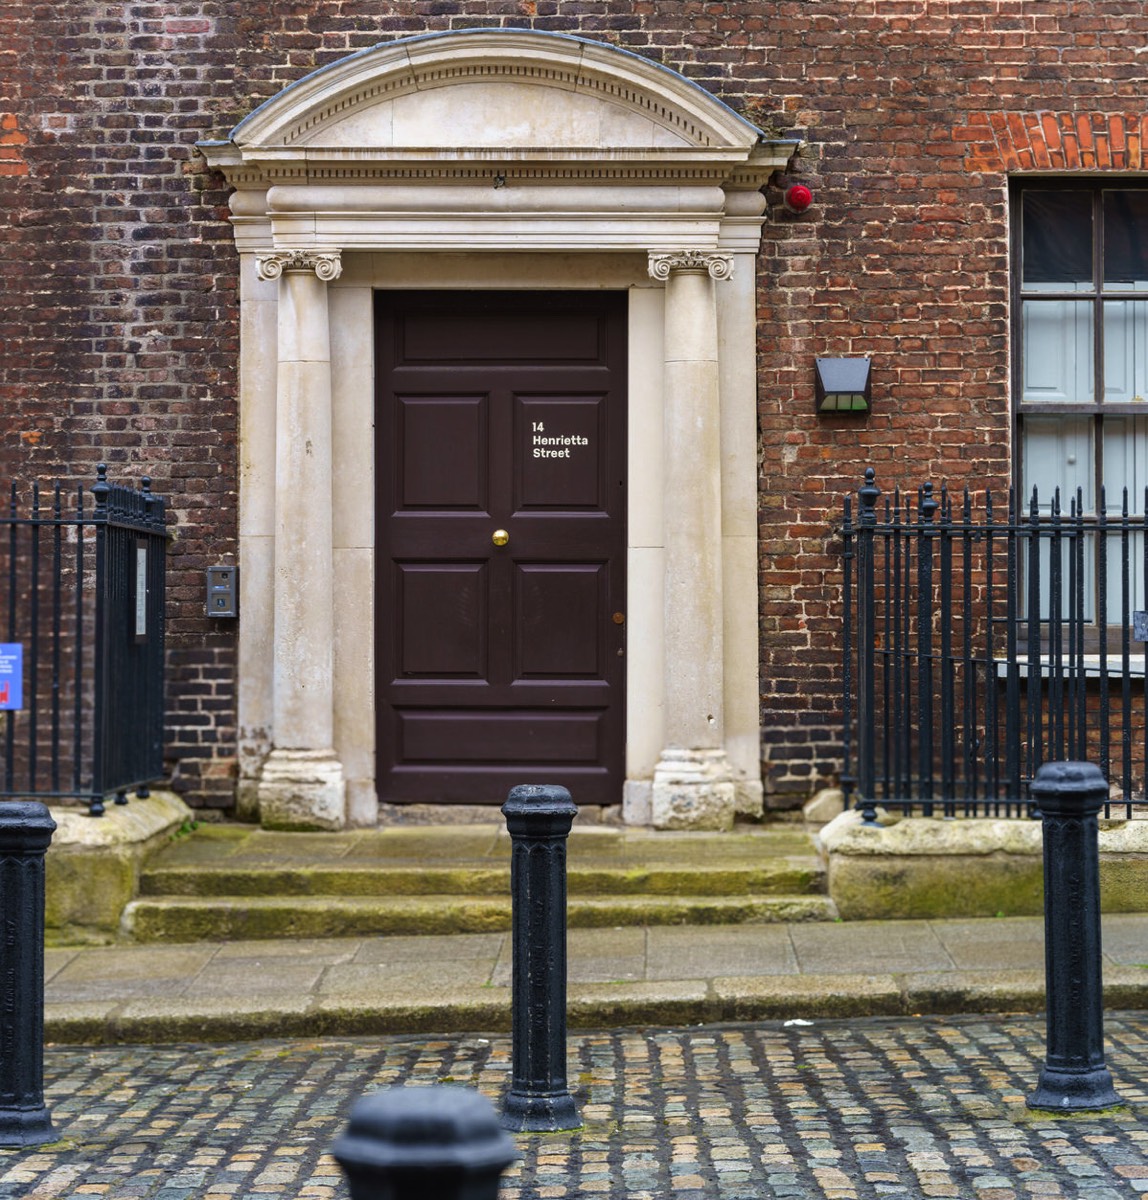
{"points": [[1074, 1077], [26, 829], [539, 819], [424, 1143]]}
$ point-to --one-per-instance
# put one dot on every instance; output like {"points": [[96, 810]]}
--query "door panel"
{"points": [[500, 665], [441, 610], [443, 455], [558, 634]]}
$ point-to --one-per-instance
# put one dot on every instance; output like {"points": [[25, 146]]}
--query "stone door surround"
{"points": [[496, 158]]}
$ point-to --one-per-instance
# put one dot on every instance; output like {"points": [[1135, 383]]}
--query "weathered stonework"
{"points": [[93, 864], [693, 790], [921, 867]]}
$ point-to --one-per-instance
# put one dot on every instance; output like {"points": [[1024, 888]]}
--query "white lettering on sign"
{"points": [[556, 447]]}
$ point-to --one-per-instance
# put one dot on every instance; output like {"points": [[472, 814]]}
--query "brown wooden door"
{"points": [[500, 665]]}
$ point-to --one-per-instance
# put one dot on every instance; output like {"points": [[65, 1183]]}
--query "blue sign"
{"points": [[11, 676]]}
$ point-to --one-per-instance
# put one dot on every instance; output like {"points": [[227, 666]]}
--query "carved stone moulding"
{"points": [[717, 266], [326, 264]]}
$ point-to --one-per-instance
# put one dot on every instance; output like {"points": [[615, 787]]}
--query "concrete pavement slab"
{"points": [[677, 951], [446, 948], [856, 947], [55, 960], [325, 951], [1005, 942], [1124, 937], [131, 970], [383, 978], [242, 977], [592, 956]]}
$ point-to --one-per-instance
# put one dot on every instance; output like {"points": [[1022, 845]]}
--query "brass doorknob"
{"points": [[500, 537]]}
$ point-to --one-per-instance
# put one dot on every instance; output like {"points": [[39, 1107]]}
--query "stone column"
{"points": [[302, 785], [693, 781]]}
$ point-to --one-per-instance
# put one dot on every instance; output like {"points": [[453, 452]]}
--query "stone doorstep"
{"points": [[916, 868]]}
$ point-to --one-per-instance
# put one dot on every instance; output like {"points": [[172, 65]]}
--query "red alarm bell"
{"points": [[798, 197]]}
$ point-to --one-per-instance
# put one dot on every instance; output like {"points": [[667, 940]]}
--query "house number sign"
{"points": [[553, 445]]}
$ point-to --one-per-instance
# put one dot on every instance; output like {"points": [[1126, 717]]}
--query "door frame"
{"points": [[664, 184]]}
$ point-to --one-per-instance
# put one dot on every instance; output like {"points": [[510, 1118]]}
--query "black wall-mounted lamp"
{"points": [[843, 385]]}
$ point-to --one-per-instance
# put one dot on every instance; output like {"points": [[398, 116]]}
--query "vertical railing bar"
{"points": [[1033, 682], [887, 664], [100, 490], [992, 682], [1073, 580], [868, 495], [1143, 659], [32, 668], [13, 559], [898, 651], [1125, 653], [926, 509], [1102, 629], [969, 676], [1012, 666], [948, 707], [1080, 753], [1055, 635], [907, 790], [78, 680], [57, 602]]}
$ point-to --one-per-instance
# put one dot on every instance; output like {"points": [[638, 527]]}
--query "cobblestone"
{"points": [[878, 1108]]}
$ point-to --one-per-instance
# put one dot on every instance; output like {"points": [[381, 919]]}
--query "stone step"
{"points": [[194, 918], [784, 876]]}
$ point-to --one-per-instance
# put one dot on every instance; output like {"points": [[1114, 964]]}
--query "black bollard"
{"points": [[1074, 1077], [539, 819], [424, 1143], [26, 829]]}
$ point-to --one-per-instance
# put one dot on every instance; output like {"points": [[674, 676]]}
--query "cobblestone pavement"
{"points": [[859, 1109]]}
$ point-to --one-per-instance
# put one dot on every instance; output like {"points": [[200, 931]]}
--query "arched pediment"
{"points": [[494, 89], [495, 139]]}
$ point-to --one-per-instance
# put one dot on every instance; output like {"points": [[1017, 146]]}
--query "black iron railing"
{"points": [[82, 665], [981, 643]]}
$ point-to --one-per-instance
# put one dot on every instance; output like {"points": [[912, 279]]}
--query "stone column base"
{"points": [[693, 789], [750, 798], [302, 789]]}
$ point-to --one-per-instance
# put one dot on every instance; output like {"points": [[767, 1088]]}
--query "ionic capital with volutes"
{"points": [[326, 264], [716, 266]]}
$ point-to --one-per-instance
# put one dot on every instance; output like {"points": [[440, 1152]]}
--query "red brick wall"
{"points": [[117, 275]]}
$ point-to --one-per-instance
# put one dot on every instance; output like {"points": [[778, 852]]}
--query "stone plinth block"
{"points": [[93, 866], [920, 867], [693, 789], [302, 789]]}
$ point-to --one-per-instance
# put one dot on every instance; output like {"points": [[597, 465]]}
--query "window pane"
{"points": [[1125, 458], [1057, 454], [1125, 462], [1057, 241], [1125, 350], [1056, 336], [1126, 239]]}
